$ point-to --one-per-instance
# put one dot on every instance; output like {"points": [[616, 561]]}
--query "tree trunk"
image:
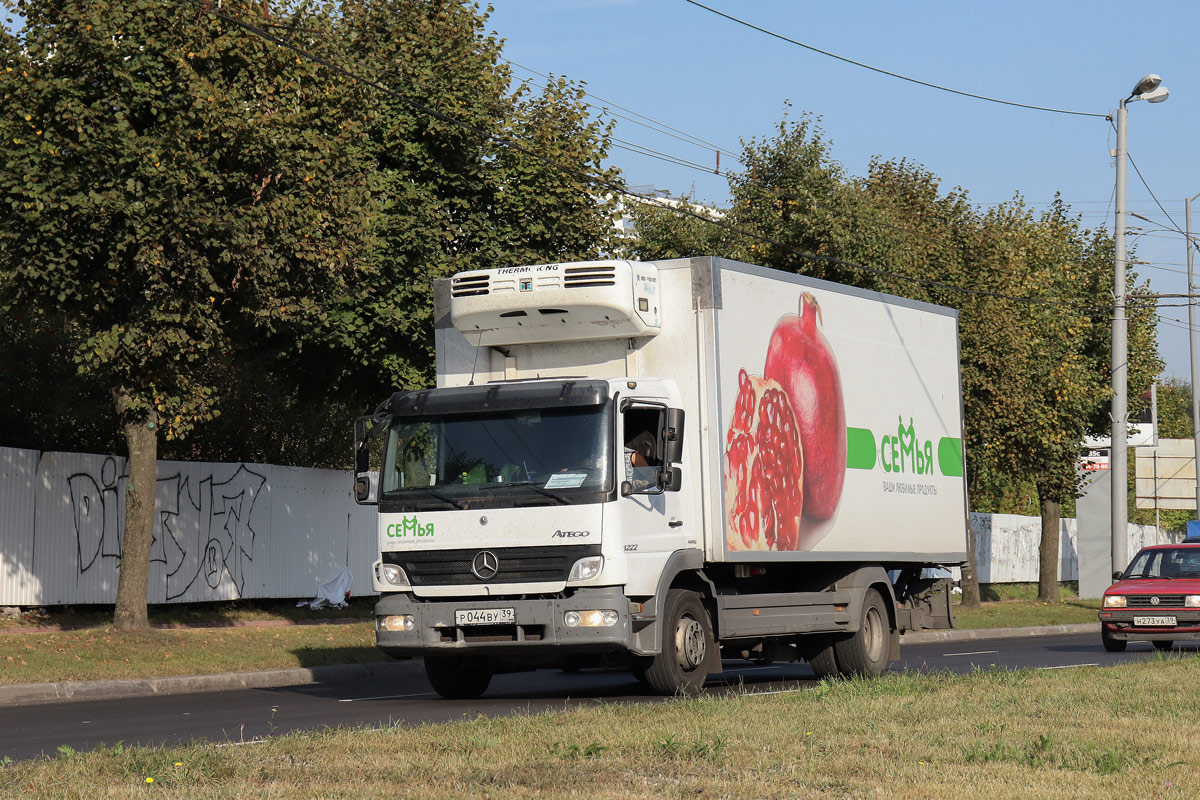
{"points": [[1048, 552], [970, 576], [133, 584]]}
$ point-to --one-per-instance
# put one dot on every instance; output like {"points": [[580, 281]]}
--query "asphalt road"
{"points": [[245, 716]]}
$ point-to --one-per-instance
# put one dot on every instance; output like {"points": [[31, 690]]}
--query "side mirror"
{"points": [[672, 436], [366, 487], [670, 479], [1117, 575]]}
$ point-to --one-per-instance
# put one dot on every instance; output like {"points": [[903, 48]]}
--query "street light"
{"points": [[1191, 290], [1149, 88]]}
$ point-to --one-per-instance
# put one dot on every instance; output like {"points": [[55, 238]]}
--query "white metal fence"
{"points": [[229, 531], [221, 531]]}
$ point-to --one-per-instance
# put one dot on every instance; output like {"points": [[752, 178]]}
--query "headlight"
{"points": [[598, 618], [586, 568], [398, 622], [1114, 601], [391, 575], [1192, 601]]}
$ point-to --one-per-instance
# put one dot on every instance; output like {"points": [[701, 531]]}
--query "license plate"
{"points": [[485, 616], [1155, 622]]}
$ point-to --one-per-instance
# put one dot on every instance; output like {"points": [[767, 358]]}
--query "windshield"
{"points": [[543, 456], [1166, 562]]}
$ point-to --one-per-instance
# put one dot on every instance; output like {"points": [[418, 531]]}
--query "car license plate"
{"points": [[485, 616], [1155, 622]]}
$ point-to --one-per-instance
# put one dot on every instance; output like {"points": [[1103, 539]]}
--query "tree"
{"points": [[475, 175], [180, 190]]}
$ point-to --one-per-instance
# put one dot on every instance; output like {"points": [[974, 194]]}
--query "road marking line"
{"points": [[973, 653], [387, 697], [1070, 666]]}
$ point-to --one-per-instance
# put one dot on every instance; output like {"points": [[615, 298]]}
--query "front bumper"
{"points": [[539, 631], [1119, 624]]}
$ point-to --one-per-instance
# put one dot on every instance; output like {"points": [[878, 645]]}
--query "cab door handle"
{"points": [[675, 523]]}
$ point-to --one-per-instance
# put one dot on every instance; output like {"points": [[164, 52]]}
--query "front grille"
{"points": [[516, 564], [1144, 601]]}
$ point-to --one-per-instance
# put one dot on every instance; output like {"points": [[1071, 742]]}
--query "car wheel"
{"points": [[458, 678], [687, 644], [1163, 644], [1110, 644]]}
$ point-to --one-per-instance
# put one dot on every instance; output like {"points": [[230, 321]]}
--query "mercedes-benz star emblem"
{"points": [[485, 565]]}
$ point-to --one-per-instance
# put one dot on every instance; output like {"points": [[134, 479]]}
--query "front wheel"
{"points": [[458, 677], [687, 644], [1110, 644], [865, 652]]}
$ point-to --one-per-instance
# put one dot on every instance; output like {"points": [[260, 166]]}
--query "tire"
{"points": [[1163, 644], [687, 645], [818, 651], [458, 678], [865, 652], [1110, 644]]}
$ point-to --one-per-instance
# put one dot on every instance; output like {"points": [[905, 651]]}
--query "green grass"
{"points": [[1016, 606], [1046, 734]]}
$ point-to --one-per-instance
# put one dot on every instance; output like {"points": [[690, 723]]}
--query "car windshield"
{"points": [[1165, 563], [547, 455]]}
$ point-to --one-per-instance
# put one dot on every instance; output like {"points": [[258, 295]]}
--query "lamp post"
{"points": [[1149, 88], [1191, 290]]}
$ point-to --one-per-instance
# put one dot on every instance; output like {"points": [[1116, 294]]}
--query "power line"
{"points": [[886, 72], [659, 127]]}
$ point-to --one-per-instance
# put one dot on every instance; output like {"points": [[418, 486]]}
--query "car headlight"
{"points": [[596, 618], [392, 575], [1192, 601], [586, 568], [1114, 601], [397, 622]]}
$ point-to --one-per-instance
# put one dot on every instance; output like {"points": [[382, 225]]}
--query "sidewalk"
{"points": [[30, 693]]}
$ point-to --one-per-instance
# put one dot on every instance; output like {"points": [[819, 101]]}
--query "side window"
{"points": [[641, 440]]}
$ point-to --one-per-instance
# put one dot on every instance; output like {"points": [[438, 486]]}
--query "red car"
{"points": [[1156, 599]]}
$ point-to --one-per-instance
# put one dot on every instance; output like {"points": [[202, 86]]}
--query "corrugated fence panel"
{"points": [[18, 469], [227, 531]]}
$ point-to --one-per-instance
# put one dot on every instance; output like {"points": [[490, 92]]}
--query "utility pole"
{"points": [[1149, 88], [1191, 290]]}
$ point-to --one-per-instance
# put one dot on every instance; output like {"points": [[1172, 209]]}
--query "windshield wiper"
{"points": [[445, 498], [557, 497]]}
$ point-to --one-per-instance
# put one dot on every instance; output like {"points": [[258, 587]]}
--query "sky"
{"points": [[715, 80]]}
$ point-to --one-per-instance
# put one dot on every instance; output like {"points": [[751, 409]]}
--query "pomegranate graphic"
{"points": [[764, 469], [800, 360]]}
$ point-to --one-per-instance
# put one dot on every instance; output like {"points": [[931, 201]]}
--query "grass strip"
{"points": [[1046, 734]]}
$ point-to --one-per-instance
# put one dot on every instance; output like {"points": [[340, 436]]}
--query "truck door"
{"points": [[652, 504]]}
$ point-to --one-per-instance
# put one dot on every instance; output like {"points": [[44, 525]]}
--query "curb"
{"points": [[63, 691], [30, 693], [960, 635]]}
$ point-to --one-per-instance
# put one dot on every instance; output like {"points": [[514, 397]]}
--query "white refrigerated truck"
{"points": [[659, 465]]}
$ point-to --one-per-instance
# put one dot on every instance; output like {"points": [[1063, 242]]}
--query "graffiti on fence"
{"points": [[203, 529]]}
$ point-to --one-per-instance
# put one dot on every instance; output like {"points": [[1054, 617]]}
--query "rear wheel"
{"points": [[818, 651], [865, 652], [687, 644], [1163, 644], [1110, 644], [458, 678]]}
